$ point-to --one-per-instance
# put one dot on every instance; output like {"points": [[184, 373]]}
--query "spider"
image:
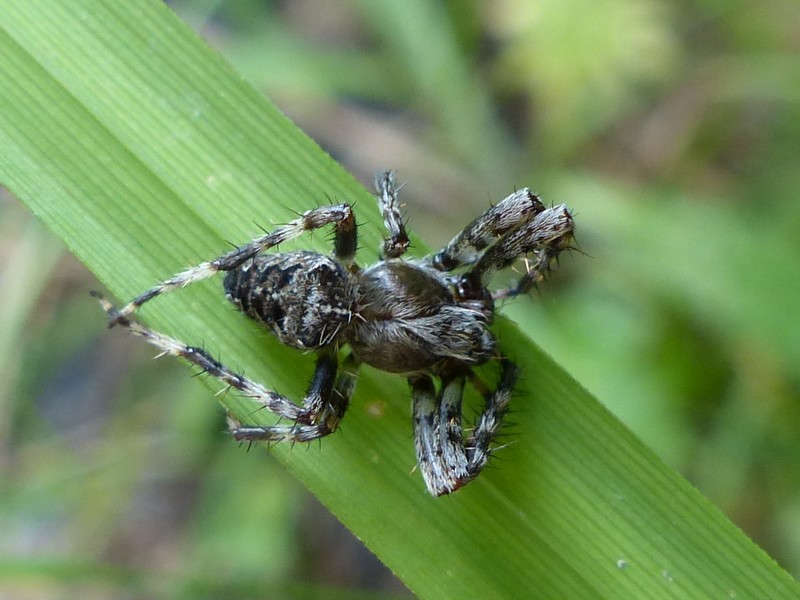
{"points": [[428, 319]]}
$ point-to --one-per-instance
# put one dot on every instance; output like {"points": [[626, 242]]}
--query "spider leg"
{"points": [[437, 434], [491, 419], [544, 236], [448, 461], [323, 406], [534, 273], [345, 242], [387, 189], [505, 216]]}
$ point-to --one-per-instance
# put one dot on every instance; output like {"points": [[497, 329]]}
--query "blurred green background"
{"points": [[671, 129]]}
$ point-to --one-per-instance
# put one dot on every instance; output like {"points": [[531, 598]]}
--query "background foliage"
{"points": [[669, 128]]}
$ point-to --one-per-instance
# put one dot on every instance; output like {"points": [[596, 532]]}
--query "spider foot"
{"points": [[115, 317]]}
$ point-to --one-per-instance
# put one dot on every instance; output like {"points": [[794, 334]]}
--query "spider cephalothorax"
{"points": [[425, 318]]}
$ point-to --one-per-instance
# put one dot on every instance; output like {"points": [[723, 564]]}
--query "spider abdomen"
{"points": [[304, 298]]}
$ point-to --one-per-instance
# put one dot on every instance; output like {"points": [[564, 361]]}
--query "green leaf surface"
{"points": [[146, 153]]}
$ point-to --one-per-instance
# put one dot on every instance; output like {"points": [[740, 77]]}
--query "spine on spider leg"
{"points": [[397, 242], [509, 213], [437, 435], [491, 420], [545, 237]]}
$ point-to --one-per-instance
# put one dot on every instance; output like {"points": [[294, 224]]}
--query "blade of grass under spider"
{"points": [[139, 147]]}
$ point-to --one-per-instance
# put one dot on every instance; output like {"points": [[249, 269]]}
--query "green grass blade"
{"points": [[145, 153]]}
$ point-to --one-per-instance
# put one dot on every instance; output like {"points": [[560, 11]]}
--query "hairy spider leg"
{"points": [[491, 419], [397, 242], [545, 236], [447, 460], [506, 216], [323, 406], [345, 243], [443, 466]]}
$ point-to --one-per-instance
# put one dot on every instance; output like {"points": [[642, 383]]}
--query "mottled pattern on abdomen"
{"points": [[291, 294]]}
